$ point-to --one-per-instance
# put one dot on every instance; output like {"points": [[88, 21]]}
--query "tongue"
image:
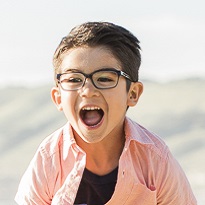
{"points": [[92, 118]]}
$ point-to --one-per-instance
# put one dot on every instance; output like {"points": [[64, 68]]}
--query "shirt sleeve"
{"points": [[33, 188], [174, 186]]}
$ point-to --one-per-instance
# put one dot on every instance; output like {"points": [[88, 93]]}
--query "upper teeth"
{"points": [[91, 108]]}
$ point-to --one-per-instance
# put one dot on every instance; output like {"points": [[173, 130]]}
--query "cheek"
{"points": [[117, 101], [68, 101]]}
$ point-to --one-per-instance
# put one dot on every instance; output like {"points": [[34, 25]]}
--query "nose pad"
{"points": [[88, 89]]}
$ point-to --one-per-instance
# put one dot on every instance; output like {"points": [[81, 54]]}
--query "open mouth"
{"points": [[91, 116]]}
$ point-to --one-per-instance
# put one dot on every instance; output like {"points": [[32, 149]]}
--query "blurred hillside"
{"points": [[174, 110]]}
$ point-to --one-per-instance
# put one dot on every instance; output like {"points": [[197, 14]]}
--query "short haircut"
{"points": [[121, 42]]}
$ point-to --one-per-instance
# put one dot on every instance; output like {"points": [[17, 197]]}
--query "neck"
{"points": [[103, 157]]}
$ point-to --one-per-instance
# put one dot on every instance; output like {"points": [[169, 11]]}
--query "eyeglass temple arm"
{"points": [[125, 75]]}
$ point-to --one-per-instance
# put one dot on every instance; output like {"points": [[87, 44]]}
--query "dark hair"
{"points": [[122, 44]]}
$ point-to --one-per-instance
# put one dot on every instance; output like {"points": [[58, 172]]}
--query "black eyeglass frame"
{"points": [[118, 72]]}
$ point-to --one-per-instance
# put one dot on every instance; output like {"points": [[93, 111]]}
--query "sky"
{"points": [[172, 35]]}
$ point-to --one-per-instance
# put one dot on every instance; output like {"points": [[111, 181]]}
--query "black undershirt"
{"points": [[94, 189]]}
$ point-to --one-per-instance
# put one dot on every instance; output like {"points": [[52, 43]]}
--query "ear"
{"points": [[56, 98], [134, 93]]}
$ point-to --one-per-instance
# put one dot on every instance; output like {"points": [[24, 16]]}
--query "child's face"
{"points": [[108, 106]]}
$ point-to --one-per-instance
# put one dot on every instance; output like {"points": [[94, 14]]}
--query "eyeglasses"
{"points": [[105, 78]]}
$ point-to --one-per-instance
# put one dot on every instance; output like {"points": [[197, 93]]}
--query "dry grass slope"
{"points": [[174, 110]]}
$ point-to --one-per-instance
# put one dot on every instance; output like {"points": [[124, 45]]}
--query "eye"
{"points": [[105, 76], [72, 78], [104, 79]]}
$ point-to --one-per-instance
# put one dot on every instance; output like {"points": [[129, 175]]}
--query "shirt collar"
{"points": [[134, 131]]}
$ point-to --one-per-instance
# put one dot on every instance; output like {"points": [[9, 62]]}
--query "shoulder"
{"points": [[56, 141], [151, 155], [145, 140]]}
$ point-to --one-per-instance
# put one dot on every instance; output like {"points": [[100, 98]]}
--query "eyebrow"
{"points": [[77, 70], [71, 70]]}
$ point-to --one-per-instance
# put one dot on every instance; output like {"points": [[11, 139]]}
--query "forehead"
{"points": [[89, 59]]}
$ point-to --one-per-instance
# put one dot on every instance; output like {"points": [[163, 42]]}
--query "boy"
{"points": [[100, 156]]}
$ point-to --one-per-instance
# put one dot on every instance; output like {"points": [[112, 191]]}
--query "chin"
{"points": [[92, 140]]}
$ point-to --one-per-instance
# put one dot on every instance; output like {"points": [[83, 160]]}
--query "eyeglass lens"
{"points": [[100, 79]]}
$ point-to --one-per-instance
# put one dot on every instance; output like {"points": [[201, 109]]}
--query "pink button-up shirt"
{"points": [[148, 174]]}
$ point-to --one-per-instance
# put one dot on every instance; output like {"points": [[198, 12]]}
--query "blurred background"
{"points": [[173, 72]]}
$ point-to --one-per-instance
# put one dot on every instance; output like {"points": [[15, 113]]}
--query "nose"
{"points": [[88, 89]]}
